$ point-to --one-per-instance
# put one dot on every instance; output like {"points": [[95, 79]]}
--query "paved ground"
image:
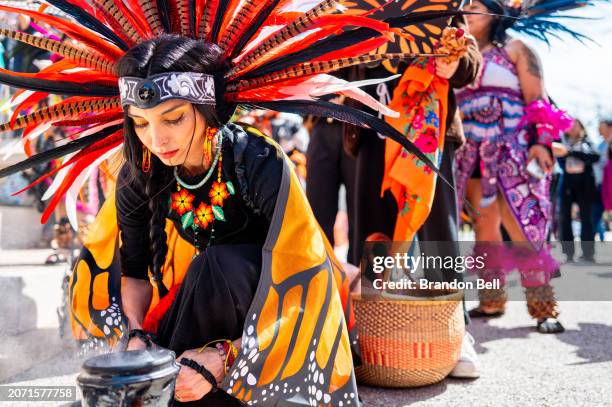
{"points": [[519, 366]]}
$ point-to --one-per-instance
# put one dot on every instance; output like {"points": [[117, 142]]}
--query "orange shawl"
{"points": [[421, 98]]}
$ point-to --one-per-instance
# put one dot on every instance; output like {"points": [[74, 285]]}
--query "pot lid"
{"points": [[129, 362]]}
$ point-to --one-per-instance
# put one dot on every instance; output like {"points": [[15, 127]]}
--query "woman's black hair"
{"points": [[500, 25], [167, 53]]}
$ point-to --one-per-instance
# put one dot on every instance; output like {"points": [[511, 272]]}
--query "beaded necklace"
{"points": [[204, 215]]}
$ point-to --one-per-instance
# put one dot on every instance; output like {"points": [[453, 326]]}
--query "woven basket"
{"points": [[408, 341]]}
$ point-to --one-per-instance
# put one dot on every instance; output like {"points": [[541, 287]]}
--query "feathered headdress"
{"points": [[280, 54], [537, 18]]}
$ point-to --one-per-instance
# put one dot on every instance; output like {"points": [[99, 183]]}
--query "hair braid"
{"points": [[157, 197]]}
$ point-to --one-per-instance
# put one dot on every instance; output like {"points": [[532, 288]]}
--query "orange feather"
{"points": [[72, 30]]}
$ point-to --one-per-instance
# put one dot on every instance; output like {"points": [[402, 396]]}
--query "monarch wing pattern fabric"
{"points": [[424, 34], [287, 352], [299, 338], [95, 285]]}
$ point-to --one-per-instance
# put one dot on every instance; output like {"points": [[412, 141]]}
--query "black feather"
{"points": [[353, 116], [424, 16], [221, 9], [322, 47], [65, 88], [248, 34], [58, 152], [192, 17], [163, 11], [87, 20], [540, 28]]}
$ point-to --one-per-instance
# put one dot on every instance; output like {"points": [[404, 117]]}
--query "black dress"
{"points": [[218, 288]]}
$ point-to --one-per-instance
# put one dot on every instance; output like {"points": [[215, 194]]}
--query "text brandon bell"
{"points": [[424, 284]]}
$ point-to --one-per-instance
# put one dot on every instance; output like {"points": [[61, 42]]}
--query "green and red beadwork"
{"points": [[202, 217]]}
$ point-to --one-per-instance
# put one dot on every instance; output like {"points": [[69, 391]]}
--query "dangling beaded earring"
{"points": [[209, 135], [146, 159]]}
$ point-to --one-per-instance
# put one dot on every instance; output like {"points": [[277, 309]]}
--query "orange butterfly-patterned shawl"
{"points": [[297, 339]]}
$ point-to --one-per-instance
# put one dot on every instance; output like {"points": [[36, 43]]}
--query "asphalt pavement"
{"points": [[519, 366]]}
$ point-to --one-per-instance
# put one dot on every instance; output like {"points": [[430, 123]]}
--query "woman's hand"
{"points": [[446, 69], [559, 150], [190, 385], [543, 157], [136, 344]]}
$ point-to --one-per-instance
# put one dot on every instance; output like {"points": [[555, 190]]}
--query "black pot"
{"points": [[132, 378]]}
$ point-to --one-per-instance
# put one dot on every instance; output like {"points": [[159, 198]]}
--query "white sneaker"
{"points": [[467, 366]]}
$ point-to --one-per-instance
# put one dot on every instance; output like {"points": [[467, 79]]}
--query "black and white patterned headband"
{"points": [[145, 93]]}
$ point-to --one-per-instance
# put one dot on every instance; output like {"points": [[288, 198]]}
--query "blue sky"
{"points": [[579, 76]]}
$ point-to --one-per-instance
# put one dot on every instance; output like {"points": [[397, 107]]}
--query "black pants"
{"points": [[579, 188], [441, 225], [328, 167], [373, 213]]}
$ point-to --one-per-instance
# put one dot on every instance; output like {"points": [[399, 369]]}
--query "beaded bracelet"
{"points": [[210, 378], [146, 337], [227, 351]]}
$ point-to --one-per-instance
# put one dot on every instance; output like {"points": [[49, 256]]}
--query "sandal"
{"points": [[478, 312], [550, 326]]}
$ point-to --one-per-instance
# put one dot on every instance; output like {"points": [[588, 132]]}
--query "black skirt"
{"points": [[212, 304]]}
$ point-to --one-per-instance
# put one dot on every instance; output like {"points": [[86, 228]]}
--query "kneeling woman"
{"points": [[257, 310]]}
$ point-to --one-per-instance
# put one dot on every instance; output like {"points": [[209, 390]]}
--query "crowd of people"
{"points": [[214, 223]]}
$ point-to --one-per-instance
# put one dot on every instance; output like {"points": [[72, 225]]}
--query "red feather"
{"points": [[99, 148], [90, 120], [199, 10], [114, 24], [142, 31], [266, 92], [72, 30], [228, 17], [182, 17], [355, 50], [173, 15], [279, 20], [276, 18], [328, 25], [210, 9], [27, 145], [61, 65], [341, 21], [30, 101], [27, 148], [57, 66], [79, 77], [85, 6], [240, 27], [72, 175], [136, 13], [286, 49]]}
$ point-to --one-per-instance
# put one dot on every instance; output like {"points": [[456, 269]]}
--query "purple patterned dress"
{"points": [[492, 109]]}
